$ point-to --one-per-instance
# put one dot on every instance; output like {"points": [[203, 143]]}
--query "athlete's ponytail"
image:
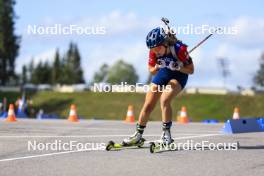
{"points": [[170, 39]]}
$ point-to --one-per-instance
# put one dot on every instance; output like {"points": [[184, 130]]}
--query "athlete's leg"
{"points": [[173, 88], [151, 99]]}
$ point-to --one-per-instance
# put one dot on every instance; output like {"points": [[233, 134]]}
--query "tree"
{"points": [[122, 72], [24, 75], [56, 69], [63, 70], [30, 70], [101, 75], [9, 42], [78, 72], [36, 74], [73, 73], [66, 71], [41, 74], [259, 77], [46, 73], [224, 68]]}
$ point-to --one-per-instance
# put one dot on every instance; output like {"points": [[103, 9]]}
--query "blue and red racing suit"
{"points": [[164, 75]]}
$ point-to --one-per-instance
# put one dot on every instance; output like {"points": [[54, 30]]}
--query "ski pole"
{"points": [[166, 22], [201, 42]]}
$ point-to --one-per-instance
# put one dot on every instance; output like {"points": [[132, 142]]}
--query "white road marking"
{"points": [[199, 136], [190, 137], [42, 155], [75, 151], [98, 136]]}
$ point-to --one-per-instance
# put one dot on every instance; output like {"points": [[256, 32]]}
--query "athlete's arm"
{"points": [[187, 69], [183, 56], [152, 63], [153, 70]]}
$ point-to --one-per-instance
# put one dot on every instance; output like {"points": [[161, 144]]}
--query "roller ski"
{"points": [[166, 143], [135, 140]]}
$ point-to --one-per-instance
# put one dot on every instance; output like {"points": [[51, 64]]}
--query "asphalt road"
{"points": [[17, 158]]}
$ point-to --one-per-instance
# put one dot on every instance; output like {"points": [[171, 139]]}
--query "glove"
{"points": [[160, 64], [175, 66]]}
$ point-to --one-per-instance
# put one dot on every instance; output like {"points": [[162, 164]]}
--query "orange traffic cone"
{"points": [[236, 113], [183, 118], [73, 117], [11, 114], [130, 118]]}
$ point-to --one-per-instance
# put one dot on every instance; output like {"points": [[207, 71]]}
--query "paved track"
{"points": [[16, 159]]}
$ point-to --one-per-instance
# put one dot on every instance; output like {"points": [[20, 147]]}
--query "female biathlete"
{"points": [[170, 64]]}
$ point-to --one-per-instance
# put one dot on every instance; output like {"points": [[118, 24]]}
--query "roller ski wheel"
{"points": [[152, 147], [110, 145], [156, 147]]}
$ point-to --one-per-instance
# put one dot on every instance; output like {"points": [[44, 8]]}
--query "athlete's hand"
{"points": [[175, 66], [160, 64]]}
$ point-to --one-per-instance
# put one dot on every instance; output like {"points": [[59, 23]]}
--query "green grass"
{"points": [[114, 105]]}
